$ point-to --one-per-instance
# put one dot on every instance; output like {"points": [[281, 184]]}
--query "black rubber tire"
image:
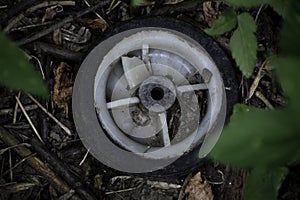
{"points": [[190, 160]]}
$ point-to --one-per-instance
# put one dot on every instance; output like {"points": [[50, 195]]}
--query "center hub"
{"points": [[157, 93]]}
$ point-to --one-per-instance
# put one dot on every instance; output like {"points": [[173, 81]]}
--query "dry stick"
{"points": [[29, 120], [6, 111], [17, 9], [10, 167], [66, 129], [264, 99], [18, 18], [16, 165], [62, 170], [36, 163], [61, 23], [11, 147], [16, 110], [97, 14], [59, 52]]}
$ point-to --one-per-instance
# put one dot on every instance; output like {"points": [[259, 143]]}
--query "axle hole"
{"points": [[157, 93]]}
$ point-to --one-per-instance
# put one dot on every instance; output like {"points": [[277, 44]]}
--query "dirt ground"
{"points": [[57, 37]]}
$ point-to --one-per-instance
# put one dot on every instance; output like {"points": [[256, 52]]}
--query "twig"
{"points": [[88, 4], [62, 170], [31, 26], [29, 120], [67, 195], [16, 187], [8, 148], [112, 6], [258, 12], [10, 167], [32, 9], [59, 52], [163, 185], [16, 110], [125, 190], [84, 157], [17, 9], [66, 129], [36, 163], [261, 73], [264, 99], [40, 65], [6, 111], [16, 165], [61, 23]]}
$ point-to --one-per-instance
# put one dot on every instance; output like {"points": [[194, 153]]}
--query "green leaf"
{"points": [[16, 72], [247, 3], [243, 44], [288, 70], [290, 41], [259, 138], [135, 3], [280, 6], [264, 183], [225, 23]]}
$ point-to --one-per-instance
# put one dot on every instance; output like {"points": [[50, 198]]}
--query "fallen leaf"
{"points": [[63, 82], [94, 23], [197, 189], [211, 11], [51, 12]]}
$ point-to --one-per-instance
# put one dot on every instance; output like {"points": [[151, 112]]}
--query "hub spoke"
{"points": [[135, 71], [122, 102], [189, 88], [164, 131]]}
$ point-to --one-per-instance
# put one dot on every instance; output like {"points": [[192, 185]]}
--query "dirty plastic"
{"points": [[151, 96]]}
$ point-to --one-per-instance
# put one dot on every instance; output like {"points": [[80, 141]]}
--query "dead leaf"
{"points": [[63, 82], [51, 12], [94, 23], [211, 11], [197, 189], [98, 182]]}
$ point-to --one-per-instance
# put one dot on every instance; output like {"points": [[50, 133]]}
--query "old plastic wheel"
{"points": [[153, 96]]}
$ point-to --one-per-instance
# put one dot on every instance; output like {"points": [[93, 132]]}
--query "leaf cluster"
{"points": [[261, 140], [16, 72]]}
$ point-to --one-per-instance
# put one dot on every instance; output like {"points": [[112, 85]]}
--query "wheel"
{"points": [[153, 96]]}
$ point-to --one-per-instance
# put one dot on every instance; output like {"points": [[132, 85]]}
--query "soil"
{"points": [[60, 55]]}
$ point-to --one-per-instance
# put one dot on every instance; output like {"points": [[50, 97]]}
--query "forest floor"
{"points": [[61, 168]]}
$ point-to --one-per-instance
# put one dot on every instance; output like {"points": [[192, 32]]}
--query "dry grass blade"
{"points": [[8, 148], [16, 165], [66, 129], [125, 190], [266, 66], [36, 163], [29, 120], [84, 158], [16, 110], [17, 187]]}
